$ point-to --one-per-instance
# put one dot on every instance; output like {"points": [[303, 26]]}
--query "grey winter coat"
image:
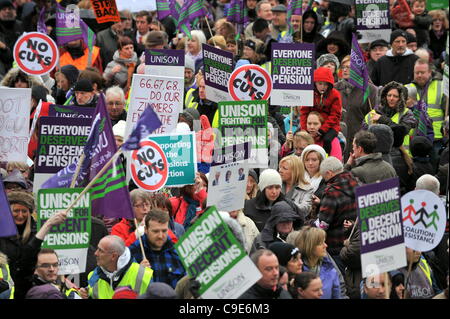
{"points": [[301, 196], [353, 111], [371, 168], [120, 78]]}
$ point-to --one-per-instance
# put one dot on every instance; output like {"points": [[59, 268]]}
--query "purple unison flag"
{"points": [[148, 122], [7, 226], [191, 10], [359, 76], [70, 27], [41, 27], [163, 9]]}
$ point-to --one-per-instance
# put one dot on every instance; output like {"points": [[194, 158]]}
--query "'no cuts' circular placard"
{"points": [[423, 220], [149, 167], [250, 82], [36, 53]]}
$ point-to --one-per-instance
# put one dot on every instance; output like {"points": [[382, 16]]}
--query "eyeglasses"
{"points": [[115, 103], [55, 265], [345, 68], [142, 205]]}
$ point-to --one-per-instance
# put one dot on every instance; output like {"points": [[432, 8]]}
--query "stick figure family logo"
{"points": [[422, 213], [424, 219]]}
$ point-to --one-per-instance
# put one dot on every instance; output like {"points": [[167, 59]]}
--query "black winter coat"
{"points": [[394, 68], [21, 259], [351, 258], [258, 292]]}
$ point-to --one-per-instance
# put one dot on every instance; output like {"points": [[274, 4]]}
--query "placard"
{"points": [[161, 62], [250, 82], [373, 20]]}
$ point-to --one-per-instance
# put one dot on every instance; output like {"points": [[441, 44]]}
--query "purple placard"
{"points": [[61, 141], [164, 57], [71, 111], [218, 65], [372, 14], [373, 201], [293, 66]]}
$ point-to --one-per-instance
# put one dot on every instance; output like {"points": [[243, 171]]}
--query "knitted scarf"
{"points": [[191, 211]]}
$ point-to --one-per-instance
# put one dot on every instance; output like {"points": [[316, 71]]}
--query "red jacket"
{"points": [[122, 229], [33, 144], [179, 206], [329, 105]]}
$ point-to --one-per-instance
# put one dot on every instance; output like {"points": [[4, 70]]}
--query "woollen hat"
{"points": [[159, 290], [398, 33], [119, 128], [16, 177], [47, 291], [39, 92], [269, 177], [189, 63], [124, 293], [253, 174], [410, 38], [22, 198], [284, 252], [6, 4], [83, 85], [314, 147], [325, 58], [279, 8], [70, 72], [155, 38], [378, 43]]}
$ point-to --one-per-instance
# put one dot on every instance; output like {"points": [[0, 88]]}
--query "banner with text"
{"points": [[292, 74], [211, 253], [161, 62], [373, 20], [219, 65], [71, 238], [382, 240], [105, 11], [14, 124], [163, 94], [55, 110], [61, 142], [245, 121], [180, 151], [228, 177]]}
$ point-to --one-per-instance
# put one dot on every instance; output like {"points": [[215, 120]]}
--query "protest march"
{"points": [[224, 149]]}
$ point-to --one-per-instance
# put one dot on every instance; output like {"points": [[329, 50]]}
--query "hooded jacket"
{"points": [[314, 36], [337, 204], [329, 275], [372, 168], [329, 104], [258, 292], [399, 68], [385, 140], [120, 78], [282, 211], [334, 37], [11, 76]]}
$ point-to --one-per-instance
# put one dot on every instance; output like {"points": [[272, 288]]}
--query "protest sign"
{"points": [[373, 20], [61, 142], [292, 74], [36, 53], [149, 168], [7, 225], [72, 111], [136, 5], [210, 253], [382, 241], [14, 124], [228, 177], [180, 151], [218, 66], [446, 72], [436, 4], [245, 121], [71, 238], [424, 220], [105, 11], [162, 62], [250, 82], [163, 94], [401, 14]]}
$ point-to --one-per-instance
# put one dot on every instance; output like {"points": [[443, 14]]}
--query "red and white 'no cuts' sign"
{"points": [[250, 82], [149, 166], [36, 53]]}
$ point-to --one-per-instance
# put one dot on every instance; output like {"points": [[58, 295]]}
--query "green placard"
{"points": [[437, 4], [243, 121], [208, 250], [75, 232]]}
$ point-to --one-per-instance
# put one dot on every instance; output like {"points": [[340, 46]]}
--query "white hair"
{"points": [[331, 164], [116, 90], [199, 35], [116, 244], [422, 53], [429, 183]]}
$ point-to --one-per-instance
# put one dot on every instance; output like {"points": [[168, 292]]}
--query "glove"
{"points": [[140, 231]]}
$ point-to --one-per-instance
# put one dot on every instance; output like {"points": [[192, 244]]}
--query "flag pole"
{"points": [[77, 171], [89, 186], [210, 31], [140, 242]]}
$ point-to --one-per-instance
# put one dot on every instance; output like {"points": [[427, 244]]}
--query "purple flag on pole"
{"points": [[7, 226], [359, 76], [148, 122], [41, 27]]}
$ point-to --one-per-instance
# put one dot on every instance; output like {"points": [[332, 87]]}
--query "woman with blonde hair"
{"points": [[294, 186], [311, 243]]}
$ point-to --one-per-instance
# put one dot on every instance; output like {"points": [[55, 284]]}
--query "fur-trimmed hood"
{"points": [[11, 76], [403, 96]]}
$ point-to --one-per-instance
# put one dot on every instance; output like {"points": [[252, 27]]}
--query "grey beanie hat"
{"points": [[189, 63], [325, 58]]}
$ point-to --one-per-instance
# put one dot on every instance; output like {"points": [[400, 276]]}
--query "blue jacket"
{"points": [[166, 263], [330, 279]]}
